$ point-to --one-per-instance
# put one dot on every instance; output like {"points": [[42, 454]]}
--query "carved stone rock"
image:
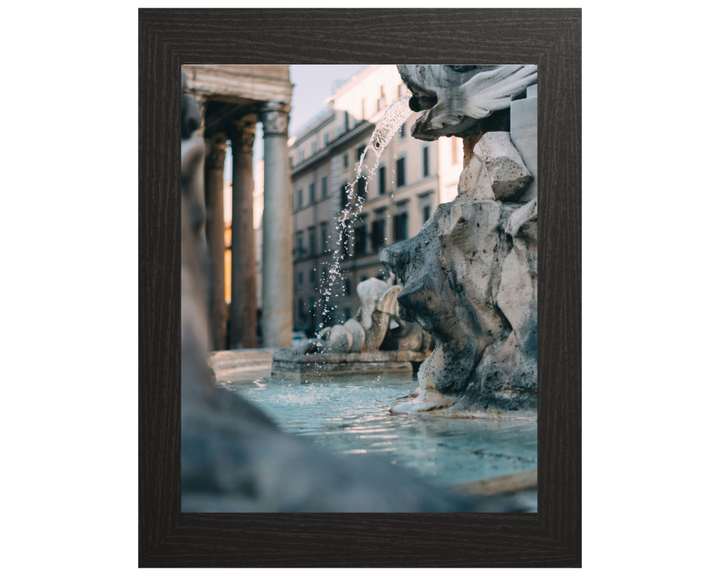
{"points": [[501, 167], [460, 274]]}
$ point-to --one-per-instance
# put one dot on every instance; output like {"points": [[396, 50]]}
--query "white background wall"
{"points": [[650, 312]]}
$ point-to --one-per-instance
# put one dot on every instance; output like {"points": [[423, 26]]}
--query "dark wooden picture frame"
{"points": [[550, 38]]}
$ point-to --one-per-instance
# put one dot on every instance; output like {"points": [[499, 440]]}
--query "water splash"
{"points": [[394, 117]]}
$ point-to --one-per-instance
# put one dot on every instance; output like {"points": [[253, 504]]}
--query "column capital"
{"points": [[275, 117], [242, 136], [215, 151], [202, 103]]}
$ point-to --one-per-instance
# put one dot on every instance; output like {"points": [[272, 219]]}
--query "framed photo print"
{"points": [[360, 276]]}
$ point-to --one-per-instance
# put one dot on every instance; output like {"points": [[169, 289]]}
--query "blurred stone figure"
{"points": [[233, 458]]}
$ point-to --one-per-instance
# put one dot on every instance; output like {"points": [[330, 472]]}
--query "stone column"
{"points": [[277, 229], [243, 303], [215, 233]]}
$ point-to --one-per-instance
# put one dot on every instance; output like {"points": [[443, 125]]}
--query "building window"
{"points": [[323, 187], [381, 181], [378, 233], [381, 100], [311, 192], [400, 172], [347, 286], [324, 237], [426, 161], [291, 161], [455, 142], [360, 152], [360, 239], [302, 155], [299, 199], [313, 147], [345, 161], [347, 121], [362, 188], [426, 214], [326, 138], [313, 277], [300, 279], [402, 130], [401, 227], [299, 245], [312, 241], [301, 309]]}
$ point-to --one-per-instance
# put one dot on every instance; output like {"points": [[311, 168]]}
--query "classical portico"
{"points": [[233, 100]]}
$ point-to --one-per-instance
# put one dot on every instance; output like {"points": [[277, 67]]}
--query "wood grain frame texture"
{"points": [[550, 38]]}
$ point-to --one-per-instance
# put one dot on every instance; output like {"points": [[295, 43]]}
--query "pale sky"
{"points": [[313, 84]]}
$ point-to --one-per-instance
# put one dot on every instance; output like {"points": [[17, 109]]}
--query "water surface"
{"points": [[350, 415]]}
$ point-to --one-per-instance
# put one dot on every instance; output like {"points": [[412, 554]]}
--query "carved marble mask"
{"points": [[454, 98]]}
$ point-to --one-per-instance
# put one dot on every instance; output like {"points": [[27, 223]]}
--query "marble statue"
{"points": [[453, 98], [375, 340], [470, 276]]}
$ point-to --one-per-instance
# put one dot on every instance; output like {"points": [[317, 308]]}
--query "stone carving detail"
{"points": [[275, 118], [216, 148], [470, 276], [454, 98], [495, 171], [243, 137], [368, 331]]}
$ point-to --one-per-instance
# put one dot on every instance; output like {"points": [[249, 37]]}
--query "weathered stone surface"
{"points": [[357, 333], [406, 336], [472, 285], [474, 183], [340, 340], [369, 292], [501, 167], [470, 276]]}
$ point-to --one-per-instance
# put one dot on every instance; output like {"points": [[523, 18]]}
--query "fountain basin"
{"points": [[351, 416], [286, 362]]}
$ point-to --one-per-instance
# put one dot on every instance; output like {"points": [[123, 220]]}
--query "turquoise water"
{"points": [[350, 415]]}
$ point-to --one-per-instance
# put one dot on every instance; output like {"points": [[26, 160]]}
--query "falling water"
{"points": [[386, 128]]}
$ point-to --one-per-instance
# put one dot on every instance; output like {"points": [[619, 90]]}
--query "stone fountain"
{"points": [[470, 276], [375, 341]]}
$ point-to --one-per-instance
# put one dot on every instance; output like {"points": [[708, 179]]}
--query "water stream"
{"points": [[396, 114]]}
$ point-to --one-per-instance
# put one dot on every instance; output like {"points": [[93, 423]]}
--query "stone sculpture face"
{"points": [[454, 98]]}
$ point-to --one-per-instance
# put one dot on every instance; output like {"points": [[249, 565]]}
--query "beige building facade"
{"points": [[412, 178]]}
